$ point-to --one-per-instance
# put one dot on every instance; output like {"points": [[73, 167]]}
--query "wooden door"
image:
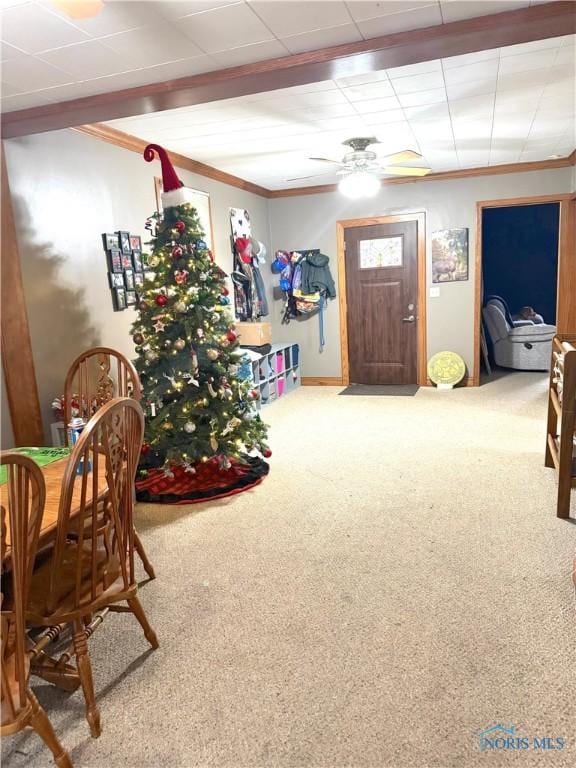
{"points": [[381, 295]]}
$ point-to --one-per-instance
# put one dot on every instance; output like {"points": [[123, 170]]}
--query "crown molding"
{"points": [[553, 19], [134, 144]]}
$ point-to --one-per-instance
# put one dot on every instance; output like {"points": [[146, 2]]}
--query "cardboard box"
{"points": [[254, 334]]}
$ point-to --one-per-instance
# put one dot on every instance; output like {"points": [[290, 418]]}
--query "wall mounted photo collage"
{"points": [[126, 267]]}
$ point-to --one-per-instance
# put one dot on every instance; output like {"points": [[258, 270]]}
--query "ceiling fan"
{"points": [[364, 160]]}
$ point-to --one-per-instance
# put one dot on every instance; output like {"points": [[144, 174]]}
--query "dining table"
{"points": [[56, 671]]}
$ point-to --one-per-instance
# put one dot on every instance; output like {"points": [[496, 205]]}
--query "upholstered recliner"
{"points": [[517, 344]]}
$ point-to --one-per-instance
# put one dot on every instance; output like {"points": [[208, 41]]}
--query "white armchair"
{"points": [[523, 345]]}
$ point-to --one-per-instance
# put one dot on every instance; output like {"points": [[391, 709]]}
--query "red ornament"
{"points": [[224, 291], [266, 453], [177, 252], [180, 226], [231, 336], [181, 276], [145, 449], [161, 300], [254, 394]]}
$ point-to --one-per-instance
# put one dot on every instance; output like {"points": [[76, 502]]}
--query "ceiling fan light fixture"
{"points": [[79, 9], [359, 184]]}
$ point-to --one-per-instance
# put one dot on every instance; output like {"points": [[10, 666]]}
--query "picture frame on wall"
{"points": [[135, 243], [116, 279], [131, 298], [137, 261], [200, 201], [111, 241], [138, 279], [129, 279], [126, 261], [450, 255], [119, 299], [125, 242], [115, 260]]}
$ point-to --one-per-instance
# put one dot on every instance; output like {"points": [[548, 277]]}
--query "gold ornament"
{"points": [[213, 443], [212, 354], [179, 344], [167, 426]]}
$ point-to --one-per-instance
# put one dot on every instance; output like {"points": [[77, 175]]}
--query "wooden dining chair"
{"points": [[23, 497], [93, 571], [94, 378]]}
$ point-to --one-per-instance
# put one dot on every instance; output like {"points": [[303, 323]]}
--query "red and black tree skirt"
{"points": [[208, 482]]}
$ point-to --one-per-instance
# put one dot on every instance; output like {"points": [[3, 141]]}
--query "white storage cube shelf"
{"points": [[277, 373]]}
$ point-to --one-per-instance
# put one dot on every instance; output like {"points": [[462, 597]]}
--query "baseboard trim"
{"points": [[321, 381], [467, 382]]}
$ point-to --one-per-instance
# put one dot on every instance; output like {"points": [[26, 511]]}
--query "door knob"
{"points": [[409, 319]]}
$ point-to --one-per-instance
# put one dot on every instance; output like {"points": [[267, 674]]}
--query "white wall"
{"points": [[67, 189], [310, 222]]}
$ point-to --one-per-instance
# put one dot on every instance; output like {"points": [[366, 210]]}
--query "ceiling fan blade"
{"points": [[313, 176], [406, 156], [398, 170], [325, 160]]}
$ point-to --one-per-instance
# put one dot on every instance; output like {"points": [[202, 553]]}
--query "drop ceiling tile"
{"points": [[482, 70], [432, 96], [223, 28], [327, 111], [544, 126], [472, 108], [161, 72], [522, 81], [566, 57], [247, 54], [33, 28], [149, 46], [517, 102], [470, 88], [472, 158], [360, 11], [370, 106], [416, 83], [176, 9], [456, 10], [86, 60], [527, 62], [418, 18], [22, 101], [381, 117], [382, 89], [322, 38], [504, 156], [432, 131], [533, 47], [421, 68], [470, 58], [510, 127], [30, 74], [294, 17], [9, 53], [477, 130], [115, 16], [362, 79], [427, 112]]}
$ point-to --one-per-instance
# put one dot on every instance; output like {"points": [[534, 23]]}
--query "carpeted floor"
{"points": [[398, 584]]}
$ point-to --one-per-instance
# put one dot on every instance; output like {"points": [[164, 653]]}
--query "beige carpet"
{"points": [[399, 583]]}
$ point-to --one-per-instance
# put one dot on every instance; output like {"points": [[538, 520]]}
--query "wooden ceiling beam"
{"points": [[399, 49]]}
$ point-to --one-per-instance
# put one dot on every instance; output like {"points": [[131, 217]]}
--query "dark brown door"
{"points": [[381, 294]]}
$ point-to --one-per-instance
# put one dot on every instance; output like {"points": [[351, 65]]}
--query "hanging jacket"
{"points": [[316, 275]]}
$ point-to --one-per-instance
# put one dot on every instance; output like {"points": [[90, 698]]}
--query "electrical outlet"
{"points": [[434, 292]]}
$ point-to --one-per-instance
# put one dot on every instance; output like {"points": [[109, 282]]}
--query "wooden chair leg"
{"points": [[143, 556], [138, 611], [43, 727], [85, 675]]}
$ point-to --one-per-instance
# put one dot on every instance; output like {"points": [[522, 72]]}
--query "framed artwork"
{"points": [[201, 202], [115, 259], [119, 299], [126, 260], [138, 279], [111, 241], [129, 279], [116, 279], [137, 261], [131, 298], [125, 242], [135, 243], [450, 255]]}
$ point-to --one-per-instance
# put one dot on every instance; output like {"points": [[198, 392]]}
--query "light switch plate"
{"points": [[434, 292]]}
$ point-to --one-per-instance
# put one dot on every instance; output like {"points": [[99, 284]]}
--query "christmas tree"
{"points": [[197, 409]]}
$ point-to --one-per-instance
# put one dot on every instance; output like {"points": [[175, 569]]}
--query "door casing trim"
{"points": [[565, 314], [341, 227]]}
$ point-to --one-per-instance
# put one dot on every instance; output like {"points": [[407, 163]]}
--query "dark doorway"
{"points": [[520, 256]]}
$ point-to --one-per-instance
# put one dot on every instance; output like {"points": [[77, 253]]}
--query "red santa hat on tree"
{"points": [[174, 192]]}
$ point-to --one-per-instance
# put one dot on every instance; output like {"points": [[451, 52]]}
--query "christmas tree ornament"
{"points": [[161, 300], [167, 425], [201, 244], [191, 247], [203, 276], [200, 333], [224, 300], [189, 427], [224, 291], [167, 343], [254, 394], [179, 344], [180, 226], [145, 449], [266, 452], [159, 325], [143, 306], [212, 354], [213, 443], [151, 355], [210, 386], [170, 292], [231, 335], [180, 306], [177, 252], [138, 338], [181, 276], [153, 261]]}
